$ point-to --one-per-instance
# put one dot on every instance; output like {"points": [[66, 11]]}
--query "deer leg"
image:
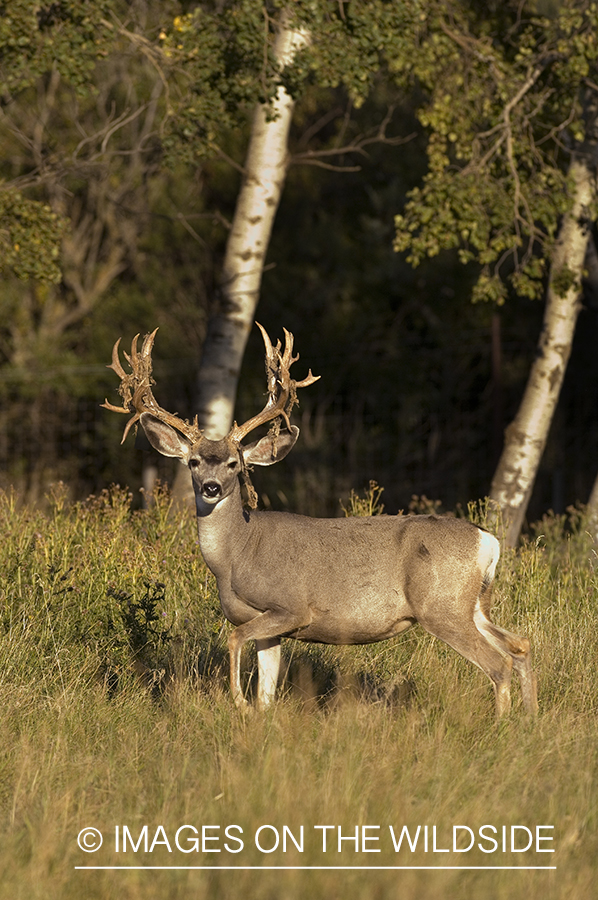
{"points": [[493, 649], [467, 638], [518, 649], [266, 629], [527, 679], [494, 662], [268, 665]]}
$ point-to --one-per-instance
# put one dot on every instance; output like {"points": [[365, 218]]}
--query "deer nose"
{"points": [[211, 489]]}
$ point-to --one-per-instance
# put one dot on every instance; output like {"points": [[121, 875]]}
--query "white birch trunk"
{"points": [[525, 437], [247, 244], [592, 280], [228, 330]]}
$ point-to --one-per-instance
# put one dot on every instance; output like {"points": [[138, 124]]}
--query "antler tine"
{"points": [[307, 381], [272, 360], [116, 367], [148, 344], [116, 361], [136, 392], [288, 351], [132, 358], [288, 358], [281, 387]]}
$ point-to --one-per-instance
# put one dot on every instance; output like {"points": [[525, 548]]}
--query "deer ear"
{"points": [[165, 439], [269, 450]]}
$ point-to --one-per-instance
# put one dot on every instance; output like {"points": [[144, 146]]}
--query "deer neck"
{"points": [[221, 527]]}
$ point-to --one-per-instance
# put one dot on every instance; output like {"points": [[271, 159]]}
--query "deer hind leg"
{"points": [[514, 649], [518, 650], [464, 637], [495, 651], [464, 623], [529, 689], [266, 629]]}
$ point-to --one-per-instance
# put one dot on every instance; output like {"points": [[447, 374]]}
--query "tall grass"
{"points": [[116, 712]]}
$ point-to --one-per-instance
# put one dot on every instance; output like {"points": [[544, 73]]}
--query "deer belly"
{"points": [[332, 601], [361, 620]]}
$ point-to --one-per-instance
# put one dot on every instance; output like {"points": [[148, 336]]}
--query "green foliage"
{"points": [[79, 172], [72, 580], [146, 635], [66, 37], [504, 97], [30, 236], [37, 37], [418, 402], [221, 58], [223, 64], [351, 43], [564, 280]]}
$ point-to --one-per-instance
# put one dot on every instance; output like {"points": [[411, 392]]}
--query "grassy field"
{"points": [[116, 716]]}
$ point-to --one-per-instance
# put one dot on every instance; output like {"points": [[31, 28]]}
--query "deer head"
{"points": [[215, 465]]}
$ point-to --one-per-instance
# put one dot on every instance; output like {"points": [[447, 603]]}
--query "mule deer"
{"points": [[335, 581]]}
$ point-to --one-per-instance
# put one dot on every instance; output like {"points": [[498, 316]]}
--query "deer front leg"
{"points": [[268, 666], [266, 629]]}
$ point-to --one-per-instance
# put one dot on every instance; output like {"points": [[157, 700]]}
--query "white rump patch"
{"points": [[488, 554]]}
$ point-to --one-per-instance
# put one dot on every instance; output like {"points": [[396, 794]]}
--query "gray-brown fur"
{"points": [[336, 581], [341, 581]]}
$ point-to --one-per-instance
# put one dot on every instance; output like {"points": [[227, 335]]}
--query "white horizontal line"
{"points": [[325, 868]]}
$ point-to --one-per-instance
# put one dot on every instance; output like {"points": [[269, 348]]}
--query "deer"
{"points": [[352, 580]]}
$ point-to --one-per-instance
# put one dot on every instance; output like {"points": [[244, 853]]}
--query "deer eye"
{"points": [[193, 463], [232, 464]]}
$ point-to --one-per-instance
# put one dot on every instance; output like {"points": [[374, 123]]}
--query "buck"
{"points": [[335, 581]]}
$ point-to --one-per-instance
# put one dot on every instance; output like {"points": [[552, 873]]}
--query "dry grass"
{"points": [[101, 729]]}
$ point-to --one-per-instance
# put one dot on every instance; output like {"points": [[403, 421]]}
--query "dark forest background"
{"points": [[417, 382]]}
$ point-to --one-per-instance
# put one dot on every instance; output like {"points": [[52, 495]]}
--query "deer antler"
{"points": [[136, 392], [282, 389]]}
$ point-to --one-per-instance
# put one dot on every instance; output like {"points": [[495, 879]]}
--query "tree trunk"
{"points": [[525, 438], [591, 291], [228, 330], [247, 244]]}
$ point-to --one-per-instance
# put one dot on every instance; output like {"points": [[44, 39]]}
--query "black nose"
{"points": [[211, 489]]}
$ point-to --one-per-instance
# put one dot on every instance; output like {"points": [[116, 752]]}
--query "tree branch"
{"points": [[315, 157]]}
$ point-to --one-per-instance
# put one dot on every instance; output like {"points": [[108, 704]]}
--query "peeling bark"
{"points": [[525, 438]]}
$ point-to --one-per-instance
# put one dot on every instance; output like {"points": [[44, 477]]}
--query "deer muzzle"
{"points": [[211, 490]]}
